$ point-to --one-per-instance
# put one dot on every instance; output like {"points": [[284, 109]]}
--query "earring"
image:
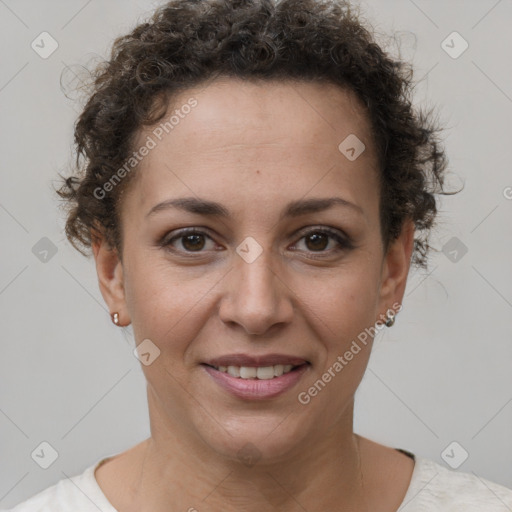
{"points": [[115, 318], [390, 315]]}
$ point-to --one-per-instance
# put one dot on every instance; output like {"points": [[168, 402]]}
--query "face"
{"points": [[288, 261]]}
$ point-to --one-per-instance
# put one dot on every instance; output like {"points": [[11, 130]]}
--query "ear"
{"points": [[110, 277], [395, 269]]}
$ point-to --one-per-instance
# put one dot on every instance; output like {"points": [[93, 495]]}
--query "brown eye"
{"points": [[317, 241], [187, 241], [192, 242]]}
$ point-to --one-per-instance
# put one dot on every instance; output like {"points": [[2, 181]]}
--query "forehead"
{"points": [[313, 112], [223, 132]]}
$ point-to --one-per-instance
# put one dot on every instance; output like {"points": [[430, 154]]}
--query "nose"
{"points": [[257, 297]]}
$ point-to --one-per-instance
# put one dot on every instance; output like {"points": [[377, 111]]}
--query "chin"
{"points": [[257, 440]]}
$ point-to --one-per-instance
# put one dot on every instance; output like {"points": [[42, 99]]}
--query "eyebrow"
{"points": [[213, 209]]}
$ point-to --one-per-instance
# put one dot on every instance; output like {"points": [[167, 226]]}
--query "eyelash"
{"points": [[344, 243]]}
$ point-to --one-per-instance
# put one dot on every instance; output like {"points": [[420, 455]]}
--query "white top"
{"points": [[433, 488]]}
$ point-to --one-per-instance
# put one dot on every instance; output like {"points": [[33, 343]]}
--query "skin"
{"points": [[254, 148]]}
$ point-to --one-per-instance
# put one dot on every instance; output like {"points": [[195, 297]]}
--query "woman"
{"points": [[256, 187]]}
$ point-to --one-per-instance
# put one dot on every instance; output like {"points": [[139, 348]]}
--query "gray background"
{"points": [[441, 374]]}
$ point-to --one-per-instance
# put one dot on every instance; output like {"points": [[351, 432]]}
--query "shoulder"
{"points": [[436, 488], [80, 493]]}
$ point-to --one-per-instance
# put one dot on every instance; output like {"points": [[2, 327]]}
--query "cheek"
{"points": [[344, 303], [344, 313], [164, 301]]}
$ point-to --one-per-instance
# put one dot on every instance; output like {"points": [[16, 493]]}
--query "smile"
{"points": [[256, 383]]}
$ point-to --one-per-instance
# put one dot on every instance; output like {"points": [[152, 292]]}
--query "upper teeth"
{"points": [[252, 372]]}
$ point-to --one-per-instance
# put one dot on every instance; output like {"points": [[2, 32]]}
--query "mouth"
{"points": [[256, 382]]}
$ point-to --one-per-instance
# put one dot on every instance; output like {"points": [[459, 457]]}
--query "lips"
{"points": [[255, 361], [254, 388]]}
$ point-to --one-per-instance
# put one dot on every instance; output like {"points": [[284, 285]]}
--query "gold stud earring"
{"points": [[115, 318]]}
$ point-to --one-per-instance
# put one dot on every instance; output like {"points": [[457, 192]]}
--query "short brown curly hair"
{"points": [[187, 42]]}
